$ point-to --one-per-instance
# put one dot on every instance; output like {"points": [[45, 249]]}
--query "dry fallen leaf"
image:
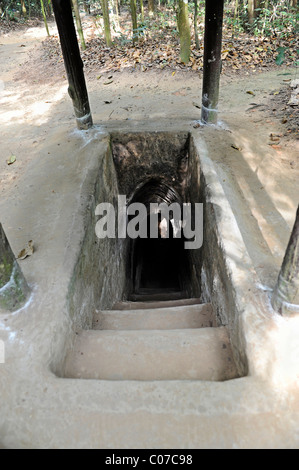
{"points": [[11, 160], [275, 137], [27, 251], [197, 125], [236, 147], [250, 93]]}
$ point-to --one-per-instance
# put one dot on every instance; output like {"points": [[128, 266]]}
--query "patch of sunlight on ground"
{"points": [[41, 32], [38, 112]]}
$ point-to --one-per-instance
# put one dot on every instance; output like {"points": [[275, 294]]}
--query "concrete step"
{"points": [[126, 305], [161, 296], [169, 318], [189, 354]]}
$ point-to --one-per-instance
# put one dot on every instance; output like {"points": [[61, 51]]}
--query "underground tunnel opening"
{"points": [[158, 265]]}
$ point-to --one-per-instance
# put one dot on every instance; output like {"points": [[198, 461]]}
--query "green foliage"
{"points": [[277, 18], [277, 21], [12, 9], [281, 55]]}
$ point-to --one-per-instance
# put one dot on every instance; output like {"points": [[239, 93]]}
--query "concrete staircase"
{"points": [[158, 340]]}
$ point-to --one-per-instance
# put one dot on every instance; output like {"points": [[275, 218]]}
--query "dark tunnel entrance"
{"points": [[158, 266]]}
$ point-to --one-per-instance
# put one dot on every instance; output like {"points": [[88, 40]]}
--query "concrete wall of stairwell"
{"points": [[140, 156], [99, 275], [194, 196], [217, 281]]}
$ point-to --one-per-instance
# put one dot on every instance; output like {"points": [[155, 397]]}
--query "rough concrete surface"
{"points": [[191, 316], [47, 196]]}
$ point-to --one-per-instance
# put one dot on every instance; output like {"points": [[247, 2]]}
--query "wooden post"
{"points": [[212, 60], [285, 297], [73, 62], [14, 289]]}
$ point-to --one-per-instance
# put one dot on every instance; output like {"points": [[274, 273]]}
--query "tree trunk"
{"points": [[236, 15], [294, 3], [142, 11], [184, 31], [212, 60], [236, 11], [285, 297], [151, 7], [44, 16], [78, 23], [86, 6], [116, 13], [23, 9], [134, 20], [105, 9], [73, 62], [195, 24], [259, 5], [47, 8], [251, 12]]}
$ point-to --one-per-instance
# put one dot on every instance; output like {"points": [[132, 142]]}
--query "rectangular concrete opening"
{"points": [[156, 168], [153, 311]]}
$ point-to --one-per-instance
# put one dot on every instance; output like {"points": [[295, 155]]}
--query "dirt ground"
{"points": [[258, 159]]}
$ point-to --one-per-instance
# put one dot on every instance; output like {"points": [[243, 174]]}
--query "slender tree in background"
{"points": [[86, 6], [212, 60], [251, 12], [285, 297], [184, 31], [142, 11], [151, 7], [116, 7], [78, 23], [23, 9], [195, 24], [107, 30], [236, 10], [134, 20], [236, 15], [44, 16], [73, 62]]}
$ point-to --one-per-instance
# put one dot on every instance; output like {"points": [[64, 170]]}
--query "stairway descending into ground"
{"points": [[153, 340]]}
